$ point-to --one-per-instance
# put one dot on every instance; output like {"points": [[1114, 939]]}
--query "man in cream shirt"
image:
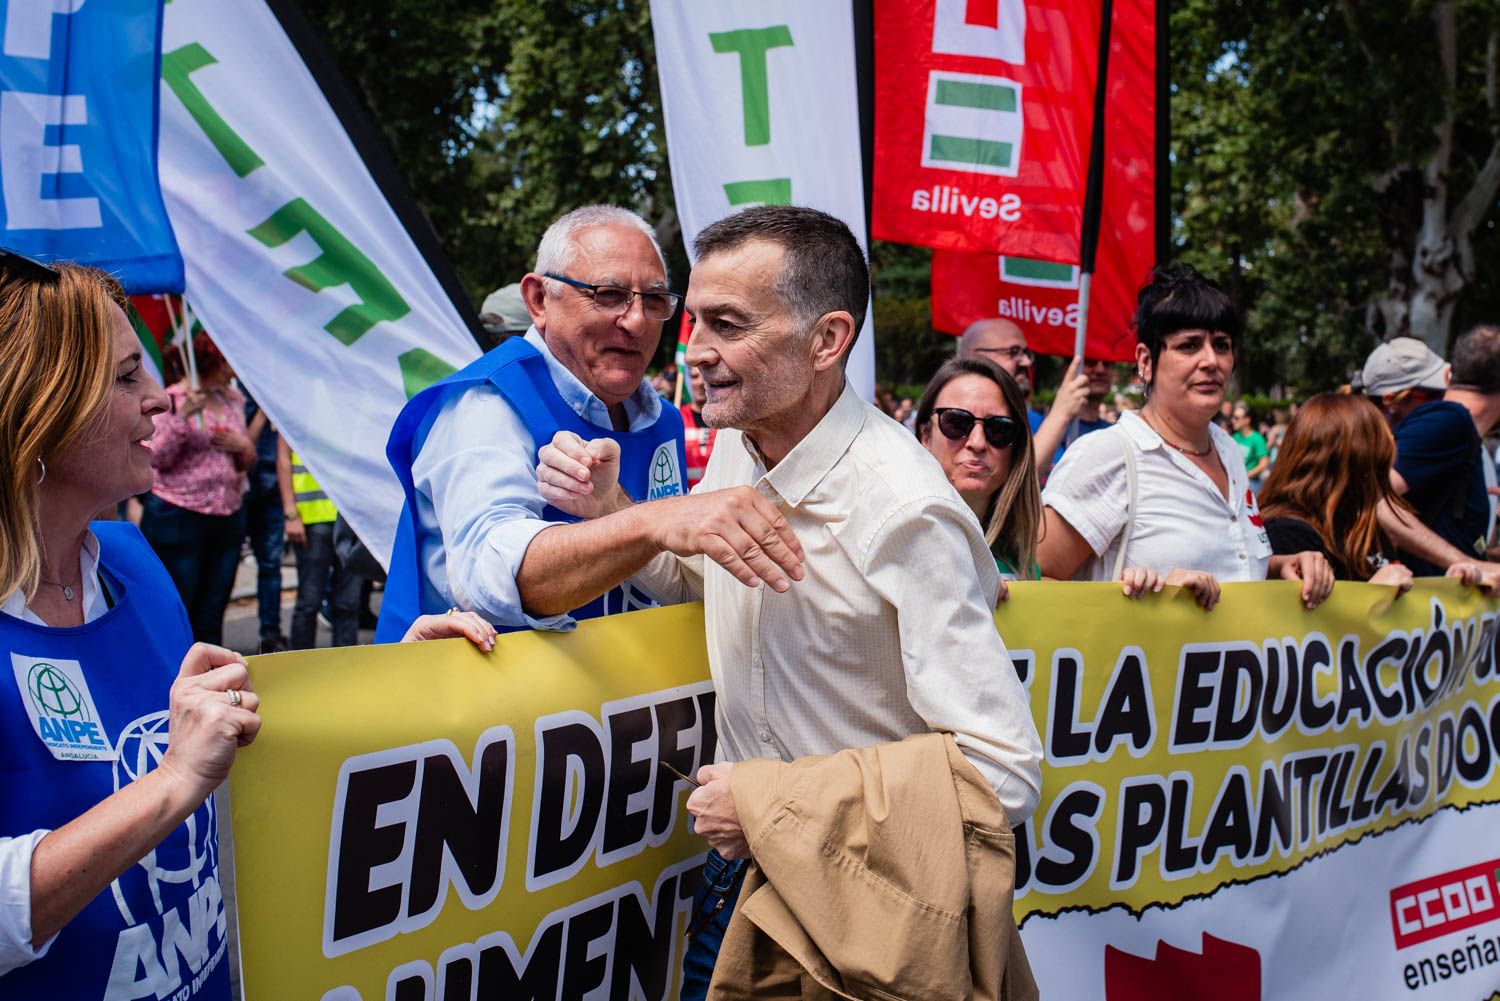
{"points": [[889, 630]]}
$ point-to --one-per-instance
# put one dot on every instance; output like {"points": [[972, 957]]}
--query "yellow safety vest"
{"points": [[313, 505]]}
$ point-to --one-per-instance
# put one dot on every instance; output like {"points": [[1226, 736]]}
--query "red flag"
{"points": [[1042, 297], [983, 115], [153, 312]]}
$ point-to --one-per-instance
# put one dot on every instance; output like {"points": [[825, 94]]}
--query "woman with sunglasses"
{"points": [[1162, 497], [108, 833], [972, 419]]}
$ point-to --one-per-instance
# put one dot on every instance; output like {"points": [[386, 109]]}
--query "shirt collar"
{"points": [[1146, 437], [1144, 434], [811, 458], [642, 407]]}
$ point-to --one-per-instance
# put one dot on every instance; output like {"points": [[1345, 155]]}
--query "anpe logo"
{"points": [[1442, 905], [665, 474], [62, 711], [52, 693]]}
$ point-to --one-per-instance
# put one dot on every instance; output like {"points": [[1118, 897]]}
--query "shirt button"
{"points": [[1242, 555], [765, 736]]}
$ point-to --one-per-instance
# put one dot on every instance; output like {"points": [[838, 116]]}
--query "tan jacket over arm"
{"points": [[884, 872]]}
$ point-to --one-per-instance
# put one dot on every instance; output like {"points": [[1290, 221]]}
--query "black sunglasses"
{"points": [[1000, 432], [27, 267]]}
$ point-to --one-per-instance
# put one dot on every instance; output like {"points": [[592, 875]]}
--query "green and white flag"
{"points": [[305, 256], [762, 106]]}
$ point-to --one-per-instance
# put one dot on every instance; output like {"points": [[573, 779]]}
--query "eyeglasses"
{"points": [[28, 267], [614, 300], [1000, 432], [1012, 352]]}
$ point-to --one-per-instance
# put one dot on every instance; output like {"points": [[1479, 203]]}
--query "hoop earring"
{"points": [[43, 475]]}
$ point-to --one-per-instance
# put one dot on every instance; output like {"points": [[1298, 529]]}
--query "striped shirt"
{"points": [[891, 632]]}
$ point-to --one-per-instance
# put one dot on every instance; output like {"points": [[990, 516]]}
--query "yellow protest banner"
{"points": [[1260, 801], [423, 820]]}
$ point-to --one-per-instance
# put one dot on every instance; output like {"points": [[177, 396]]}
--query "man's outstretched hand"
{"points": [[736, 528]]}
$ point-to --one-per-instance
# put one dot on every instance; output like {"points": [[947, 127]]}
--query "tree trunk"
{"points": [[1431, 259]]}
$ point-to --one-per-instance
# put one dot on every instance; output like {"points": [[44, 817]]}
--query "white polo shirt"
{"points": [[1182, 521]]}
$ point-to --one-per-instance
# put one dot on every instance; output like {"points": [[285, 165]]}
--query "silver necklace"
{"points": [[67, 589]]}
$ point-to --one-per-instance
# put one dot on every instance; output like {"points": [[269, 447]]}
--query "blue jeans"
{"points": [[712, 908], [265, 524], [201, 552]]}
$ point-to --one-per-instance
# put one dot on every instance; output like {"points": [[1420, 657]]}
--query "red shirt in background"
{"points": [[700, 442]]}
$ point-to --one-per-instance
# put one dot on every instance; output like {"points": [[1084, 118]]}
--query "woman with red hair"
{"points": [[1333, 471]]}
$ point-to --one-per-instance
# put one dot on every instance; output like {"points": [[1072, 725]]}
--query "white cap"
{"points": [[1403, 363], [504, 311]]}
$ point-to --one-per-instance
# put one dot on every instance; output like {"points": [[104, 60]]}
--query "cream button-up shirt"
{"points": [[1181, 518], [892, 630]]}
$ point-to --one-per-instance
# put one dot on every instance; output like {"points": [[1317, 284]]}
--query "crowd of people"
{"points": [[850, 563]]}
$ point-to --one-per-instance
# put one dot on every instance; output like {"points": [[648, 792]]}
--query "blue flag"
{"points": [[79, 91]]}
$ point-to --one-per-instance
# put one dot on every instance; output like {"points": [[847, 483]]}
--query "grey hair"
{"points": [[555, 252]]}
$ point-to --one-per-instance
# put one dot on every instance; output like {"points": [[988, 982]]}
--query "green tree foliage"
{"points": [[907, 349], [1335, 164], [502, 114]]}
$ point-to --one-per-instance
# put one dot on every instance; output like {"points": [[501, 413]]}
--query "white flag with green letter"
{"points": [[300, 263], [761, 105]]}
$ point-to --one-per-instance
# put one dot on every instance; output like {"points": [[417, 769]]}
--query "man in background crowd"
{"points": [[503, 315], [265, 525], [1439, 418], [1003, 342], [1252, 444], [310, 516]]}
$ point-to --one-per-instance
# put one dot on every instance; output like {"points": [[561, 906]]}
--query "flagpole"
{"points": [[1093, 196], [183, 341]]}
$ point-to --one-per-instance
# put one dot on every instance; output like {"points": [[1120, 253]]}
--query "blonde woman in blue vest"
{"points": [[108, 832]]}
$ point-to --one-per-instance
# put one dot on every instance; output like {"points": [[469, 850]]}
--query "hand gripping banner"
{"points": [[1254, 803]]}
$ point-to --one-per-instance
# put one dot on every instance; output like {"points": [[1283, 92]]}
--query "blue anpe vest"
{"points": [[102, 688], [648, 470]]}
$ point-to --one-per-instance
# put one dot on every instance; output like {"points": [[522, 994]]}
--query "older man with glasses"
{"points": [[475, 533]]}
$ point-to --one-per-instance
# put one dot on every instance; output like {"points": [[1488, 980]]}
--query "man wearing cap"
{"points": [[504, 314], [1439, 419]]}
